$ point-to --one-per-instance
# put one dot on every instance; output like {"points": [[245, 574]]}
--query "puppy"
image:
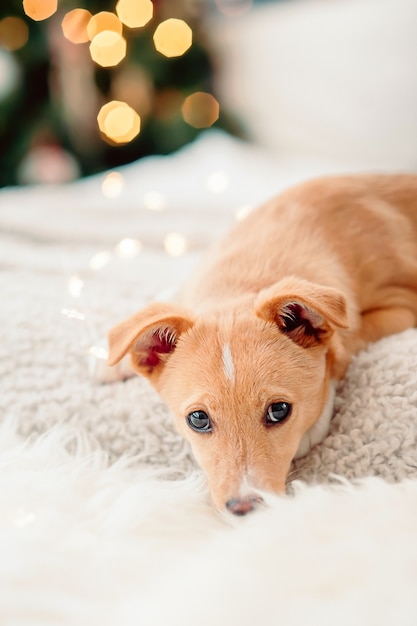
{"points": [[249, 358]]}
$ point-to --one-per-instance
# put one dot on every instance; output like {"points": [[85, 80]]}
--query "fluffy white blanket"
{"points": [[103, 517]]}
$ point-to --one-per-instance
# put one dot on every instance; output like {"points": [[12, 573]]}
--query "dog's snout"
{"points": [[242, 506]]}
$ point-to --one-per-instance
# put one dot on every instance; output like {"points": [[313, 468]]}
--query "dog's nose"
{"points": [[241, 506]]}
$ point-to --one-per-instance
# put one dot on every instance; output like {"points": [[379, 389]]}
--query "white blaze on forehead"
{"points": [[228, 365]]}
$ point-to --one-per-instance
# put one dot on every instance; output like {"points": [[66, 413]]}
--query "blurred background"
{"points": [[88, 85], [57, 70]]}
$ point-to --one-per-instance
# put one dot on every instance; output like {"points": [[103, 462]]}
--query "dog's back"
{"points": [[359, 232]]}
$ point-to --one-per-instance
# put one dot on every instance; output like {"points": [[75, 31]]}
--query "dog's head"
{"points": [[245, 381]]}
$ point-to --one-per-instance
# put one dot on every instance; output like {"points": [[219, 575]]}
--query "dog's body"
{"points": [[248, 362]]}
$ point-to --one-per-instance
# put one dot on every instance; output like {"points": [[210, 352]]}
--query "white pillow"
{"points": [[326, 78]]}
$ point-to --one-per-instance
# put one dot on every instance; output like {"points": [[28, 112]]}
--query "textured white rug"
{"points": [[93, 530]]}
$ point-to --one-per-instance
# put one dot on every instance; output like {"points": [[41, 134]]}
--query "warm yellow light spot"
{"points": [[175, 244], [154, 201], [173, 37], [14, 33], [134, 13], [73, 314], [74, 25], [98, 352], [103, 21], [100, 260], [108, 48], [128, 248], [242, 212], [112, 185], [118, 121], [40, 9], [75, 286], [200, 110]]}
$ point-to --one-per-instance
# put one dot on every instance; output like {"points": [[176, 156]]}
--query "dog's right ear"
{"points": [[150, 336]]}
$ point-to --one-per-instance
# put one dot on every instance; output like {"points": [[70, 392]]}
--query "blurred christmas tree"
{"points": [[51, 91]]}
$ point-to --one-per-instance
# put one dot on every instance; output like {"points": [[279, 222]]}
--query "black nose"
{"points": [[241, 506]]}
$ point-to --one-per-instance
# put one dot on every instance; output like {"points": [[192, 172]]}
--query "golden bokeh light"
{"points": [[118, 122], [108, 48], [173, 37], [40, 9], [134, 13], [103, 21], [14, 33], [74, 25], [200, 110]]}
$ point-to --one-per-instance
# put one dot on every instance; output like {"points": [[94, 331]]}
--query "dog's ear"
{"points": [[150, 336], [306, 312]]}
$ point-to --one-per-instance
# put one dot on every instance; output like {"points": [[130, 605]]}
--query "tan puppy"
{"points": [[249, 360]]}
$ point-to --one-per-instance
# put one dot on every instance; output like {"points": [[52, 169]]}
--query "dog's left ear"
{"points": [[150, 336], [306, 312]]}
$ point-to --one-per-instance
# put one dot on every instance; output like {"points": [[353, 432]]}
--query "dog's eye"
{"points": [[277, 412], [199, 421]]}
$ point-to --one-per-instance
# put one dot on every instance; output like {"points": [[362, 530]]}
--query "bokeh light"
{"points": [[128, 248], [73, 314], [217, 182], [118, 121], [200, 110], [112, 185], [103, 21], [40, 9], [134, 13], [14, 33], [108, 48], [154, 201], [100, 260], [242, 212], [234, 8], [74, 25], [75, 286], [173, 37], [175, 244]]}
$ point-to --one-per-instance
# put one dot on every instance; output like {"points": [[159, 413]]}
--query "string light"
{"points": [[108, 48], [128, 248], [118, 121], [73, 314], [242, 212], [173, 37], [99, 352], [200, 110], [40, 9], [75, 286], [75, 24], [154, 201], [112, 185], [175, 244], [134, 13], [99, 260], [14, 33]]}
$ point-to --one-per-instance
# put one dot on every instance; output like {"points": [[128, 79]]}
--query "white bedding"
{"points": [[85, 543]]}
